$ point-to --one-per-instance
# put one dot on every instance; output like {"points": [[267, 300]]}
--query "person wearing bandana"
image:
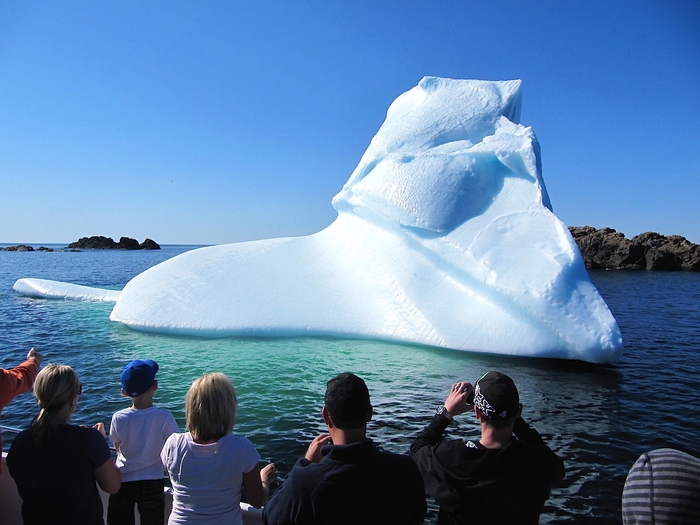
{"points": [[503, 477]]}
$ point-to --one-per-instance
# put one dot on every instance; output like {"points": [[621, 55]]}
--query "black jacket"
{"points": [[480, 485], [356, 484]]}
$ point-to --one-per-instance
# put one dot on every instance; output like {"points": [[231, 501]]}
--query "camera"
{"points": [[470, 398]]}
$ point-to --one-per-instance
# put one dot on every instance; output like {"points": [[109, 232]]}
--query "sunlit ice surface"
{"points": [[445, 236], [48, 289]]}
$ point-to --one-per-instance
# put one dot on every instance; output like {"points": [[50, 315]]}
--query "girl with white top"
{"points": [[208, 466]]}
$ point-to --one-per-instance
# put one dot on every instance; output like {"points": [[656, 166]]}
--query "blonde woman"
{"points": [[55, 464], [207, 465]]}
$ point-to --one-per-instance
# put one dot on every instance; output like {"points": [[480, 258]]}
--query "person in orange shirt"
{"points": [[18, 380]]}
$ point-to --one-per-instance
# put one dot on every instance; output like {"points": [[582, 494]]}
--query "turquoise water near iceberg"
{"points": [[599, 419]]}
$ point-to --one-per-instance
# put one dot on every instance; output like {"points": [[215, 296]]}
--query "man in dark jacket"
{"points": [[504, 477], [345, 479]]}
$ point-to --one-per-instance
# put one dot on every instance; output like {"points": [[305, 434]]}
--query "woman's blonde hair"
{"points": [[55, 386], [210, 407]]}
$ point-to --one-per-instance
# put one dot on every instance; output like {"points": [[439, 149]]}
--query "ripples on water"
{"points": [[599, 419]]}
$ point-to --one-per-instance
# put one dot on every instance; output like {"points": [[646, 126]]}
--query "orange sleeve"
{"points": [[17, 381]]}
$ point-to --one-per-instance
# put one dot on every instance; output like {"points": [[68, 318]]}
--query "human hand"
{"points": [[456, 402], [33, 354], [268, 474], [100, 427], [313, 454]]}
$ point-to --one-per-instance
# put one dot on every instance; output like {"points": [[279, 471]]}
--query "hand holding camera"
{"points": [[460, 399]]}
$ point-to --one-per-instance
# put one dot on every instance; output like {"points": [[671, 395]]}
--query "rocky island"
{"points": [[107, 243], [97, 242], [609, 249]]}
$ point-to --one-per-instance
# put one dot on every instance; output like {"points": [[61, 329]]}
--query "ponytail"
{"points": [[55, 386]]}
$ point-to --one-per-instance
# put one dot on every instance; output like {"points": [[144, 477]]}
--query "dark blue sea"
{"points": [[598, 418]]}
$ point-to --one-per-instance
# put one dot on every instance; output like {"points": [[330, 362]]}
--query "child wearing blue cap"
{"points": [[138, 434]]}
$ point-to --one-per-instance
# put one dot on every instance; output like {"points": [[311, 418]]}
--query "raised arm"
{"points": [[457, 402], [20, 379]]}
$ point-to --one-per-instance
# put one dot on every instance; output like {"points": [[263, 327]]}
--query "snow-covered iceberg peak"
{"points": [[437, 161], [445, 237]]}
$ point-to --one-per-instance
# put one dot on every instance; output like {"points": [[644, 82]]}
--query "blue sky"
{"points": [[222, 121]]}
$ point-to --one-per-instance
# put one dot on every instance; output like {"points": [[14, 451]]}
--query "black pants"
{"points": [[147, 494]]}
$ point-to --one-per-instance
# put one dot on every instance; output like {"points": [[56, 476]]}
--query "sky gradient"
{"points": [[223, 121]]}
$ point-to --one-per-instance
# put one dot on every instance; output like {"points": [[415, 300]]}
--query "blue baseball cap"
{"points": [[138, 376]]}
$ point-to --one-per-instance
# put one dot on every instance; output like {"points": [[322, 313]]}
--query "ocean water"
{"points": [[597, 418]]}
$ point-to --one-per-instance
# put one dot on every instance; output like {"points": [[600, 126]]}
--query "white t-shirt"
{"points": [[207, 479], [140, 435]]}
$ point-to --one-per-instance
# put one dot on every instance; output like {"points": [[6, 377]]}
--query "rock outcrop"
{"points": [[149, 244], [99, 242], [610, 249], [18, 248]]}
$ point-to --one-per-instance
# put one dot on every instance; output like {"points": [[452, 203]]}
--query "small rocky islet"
{"points": [[97, 242], [601, 248]]}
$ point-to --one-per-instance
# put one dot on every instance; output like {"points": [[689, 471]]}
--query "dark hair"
{"points": [[347, 401]]}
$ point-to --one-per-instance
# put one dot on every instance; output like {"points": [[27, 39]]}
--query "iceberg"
{"points": [[445, 236], [48, 289]]}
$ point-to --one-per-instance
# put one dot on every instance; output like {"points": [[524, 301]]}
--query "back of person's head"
{"points": [[496, 397], [54, 387], [210, 407], [347, 401], [138, 377], [662, 487]]}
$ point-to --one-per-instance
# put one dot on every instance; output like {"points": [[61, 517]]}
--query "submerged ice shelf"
{"points": [[444, 237]]}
